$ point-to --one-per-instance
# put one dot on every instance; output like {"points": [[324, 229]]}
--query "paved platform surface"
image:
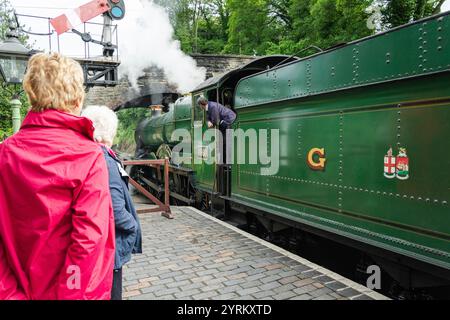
{"points": [[197, 257]]}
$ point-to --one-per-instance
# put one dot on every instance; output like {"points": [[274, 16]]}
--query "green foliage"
{"points": [[247, 27], [285, 26], [6, 112], [325, 23], [399, 12], [6, 94], [201, 26], [128, 121]]}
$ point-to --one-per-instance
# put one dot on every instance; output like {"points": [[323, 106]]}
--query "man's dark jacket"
{"points": [[220, 116], [128, 228]]}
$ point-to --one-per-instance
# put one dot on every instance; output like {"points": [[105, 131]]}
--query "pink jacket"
{"points": [[56, 218]]}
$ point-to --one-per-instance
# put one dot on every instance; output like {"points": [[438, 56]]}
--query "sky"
{"points": [[71, 44]]}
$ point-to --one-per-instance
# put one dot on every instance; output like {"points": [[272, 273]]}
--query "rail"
{"points": [[162, 207]]}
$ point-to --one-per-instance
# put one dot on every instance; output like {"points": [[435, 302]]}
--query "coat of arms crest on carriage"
{"points": [[390, 165], [396, 167], [402, 165]]}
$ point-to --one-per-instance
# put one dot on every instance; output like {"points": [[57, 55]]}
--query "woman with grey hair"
{"points": [[128, 229]]}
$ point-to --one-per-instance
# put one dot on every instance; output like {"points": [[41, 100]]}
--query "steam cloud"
{"points": [[147, 39]]}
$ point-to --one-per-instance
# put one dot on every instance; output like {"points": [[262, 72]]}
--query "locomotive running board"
{"points": [[371, 248]]}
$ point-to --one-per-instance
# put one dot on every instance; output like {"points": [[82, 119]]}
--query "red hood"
{"points": [[59, 119]]}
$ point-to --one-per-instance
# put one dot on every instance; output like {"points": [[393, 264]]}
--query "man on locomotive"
{"points": [[217, 114]]}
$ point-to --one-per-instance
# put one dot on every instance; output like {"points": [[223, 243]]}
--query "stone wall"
{"points": [[154, 81]]}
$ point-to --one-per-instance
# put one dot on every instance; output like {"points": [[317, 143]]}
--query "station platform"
{"points": [[198, 257]]}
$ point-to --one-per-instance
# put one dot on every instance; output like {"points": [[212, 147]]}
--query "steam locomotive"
{"points": [[363, 135]]}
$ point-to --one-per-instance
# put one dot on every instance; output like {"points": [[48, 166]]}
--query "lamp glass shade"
{"points": [[13, 68]]}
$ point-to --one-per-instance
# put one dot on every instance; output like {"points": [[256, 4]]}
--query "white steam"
{"points": [[146, 38]]}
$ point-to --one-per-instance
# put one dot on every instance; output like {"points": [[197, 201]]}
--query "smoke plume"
{"points": [[147, 39]]}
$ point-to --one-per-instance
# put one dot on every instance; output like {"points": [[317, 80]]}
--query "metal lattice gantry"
{"points": [[99, 64]]}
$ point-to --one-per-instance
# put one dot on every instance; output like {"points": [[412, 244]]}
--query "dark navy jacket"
{"points": [[128, 228], [219, 115]]}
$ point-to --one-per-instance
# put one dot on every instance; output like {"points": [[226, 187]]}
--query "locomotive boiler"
{"points": [[154, 134]]}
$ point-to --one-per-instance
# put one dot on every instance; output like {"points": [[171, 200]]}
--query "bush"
{"points": [[128, 122]]}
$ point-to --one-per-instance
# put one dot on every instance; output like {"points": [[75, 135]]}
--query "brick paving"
{"points": [[196, 257]]}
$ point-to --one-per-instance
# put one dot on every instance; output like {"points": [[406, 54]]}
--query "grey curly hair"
{"points": [[105, 123]]}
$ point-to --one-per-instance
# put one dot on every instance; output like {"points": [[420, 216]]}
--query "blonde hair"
{"points": [[53, 81], [105, 123]]}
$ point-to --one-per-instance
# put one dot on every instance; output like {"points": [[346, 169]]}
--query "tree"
{"points": [[201, 26], [279, 11], [399, 12], [213, 26], [224, 17], [286, 26], [300, 13], [324, 23], [182, 25], [248, 27]]}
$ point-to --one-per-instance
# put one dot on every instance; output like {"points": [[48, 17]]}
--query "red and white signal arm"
{"points": [[75, 17]]}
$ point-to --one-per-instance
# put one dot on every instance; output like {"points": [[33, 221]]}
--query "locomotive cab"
{"points": [[214, 175], [221, 88]]}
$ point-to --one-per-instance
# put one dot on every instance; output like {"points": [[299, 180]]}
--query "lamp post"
{"points": [[13, 64]]}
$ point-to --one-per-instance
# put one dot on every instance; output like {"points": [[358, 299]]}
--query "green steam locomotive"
{"points": [[360, 133]]}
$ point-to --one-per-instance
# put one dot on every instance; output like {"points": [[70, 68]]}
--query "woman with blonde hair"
{"points": [[57, 223], [128, 229]]}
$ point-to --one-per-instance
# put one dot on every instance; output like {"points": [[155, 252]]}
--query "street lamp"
{"points": [[13, 65]]}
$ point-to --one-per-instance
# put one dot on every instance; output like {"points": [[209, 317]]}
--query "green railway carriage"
{"points": [[379, 112], [361, 131]]}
